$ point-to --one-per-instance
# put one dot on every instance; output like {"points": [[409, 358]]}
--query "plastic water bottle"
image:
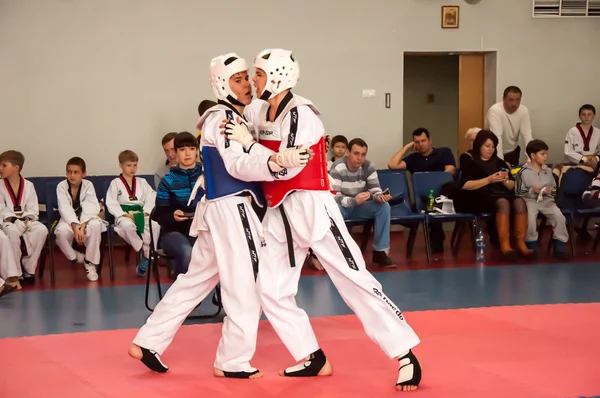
{"points": [[480, 243], [431, 203]]}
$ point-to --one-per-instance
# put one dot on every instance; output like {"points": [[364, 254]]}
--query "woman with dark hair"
{"points": [[488, 187]]}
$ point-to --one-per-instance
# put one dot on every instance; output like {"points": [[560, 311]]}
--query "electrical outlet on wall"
{"points": [[368, 93]]}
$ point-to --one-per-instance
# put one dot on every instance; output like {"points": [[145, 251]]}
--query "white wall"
{"points": [[92, 77], [437, 75]]}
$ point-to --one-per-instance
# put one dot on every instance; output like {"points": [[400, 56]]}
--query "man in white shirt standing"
{"points": [[510, 120]]}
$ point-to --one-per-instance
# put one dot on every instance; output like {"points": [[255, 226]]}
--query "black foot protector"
{"points": [[309, 368], [152, 360], [409, 373], [245, 374], [7, 289]]}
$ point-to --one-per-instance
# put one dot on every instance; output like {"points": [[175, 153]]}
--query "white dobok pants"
{"points": [[315, 221], [226, 251]]}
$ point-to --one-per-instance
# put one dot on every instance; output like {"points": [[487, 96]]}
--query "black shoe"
{"points": [[559, 251], [27, 280], [382, 259], [7, 289], [437, 248]]}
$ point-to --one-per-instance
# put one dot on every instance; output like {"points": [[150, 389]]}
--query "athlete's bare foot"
{"points": [[148, 357], [135, 351], [250, 374], [406, 388], [409, 373], [14, 281], [316, 364]]}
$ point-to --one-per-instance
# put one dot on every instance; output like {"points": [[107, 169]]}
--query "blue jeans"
{"points": [[370, 210], [179, 247]]}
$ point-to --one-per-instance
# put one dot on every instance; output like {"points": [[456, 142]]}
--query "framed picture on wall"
{"points": [[450, 17]]}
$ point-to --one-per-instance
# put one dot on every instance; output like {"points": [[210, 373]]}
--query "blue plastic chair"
{"points": [[53, 216], [425, 182], [149, 178], [569, 198], [402, 213]]}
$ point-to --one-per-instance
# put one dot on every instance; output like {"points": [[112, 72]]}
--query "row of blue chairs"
{"points": [[410, 213], [45, 188]]}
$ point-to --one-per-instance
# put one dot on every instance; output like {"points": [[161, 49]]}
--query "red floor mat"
{"points": [[530, 351]]}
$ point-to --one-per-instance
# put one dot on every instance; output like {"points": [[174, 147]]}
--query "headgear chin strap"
{"points": [[282, 71], [220, 71]]}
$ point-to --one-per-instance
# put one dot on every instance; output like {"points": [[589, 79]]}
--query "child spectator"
{"points": [[339, 146], [20, 214], [582, 144], [536, 184], [172, 211], [130, 200], [79, 218]]}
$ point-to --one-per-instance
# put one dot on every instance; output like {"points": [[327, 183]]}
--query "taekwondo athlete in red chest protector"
{"points": [[229, 235], [302, 213]]}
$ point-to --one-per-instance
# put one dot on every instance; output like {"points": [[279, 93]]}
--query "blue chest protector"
{"points": [[220, 183]]}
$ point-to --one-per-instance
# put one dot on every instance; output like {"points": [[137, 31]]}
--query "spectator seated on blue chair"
{"points": [[130, 200], [172, 211], [536, 185], [359, 196], [79, 218], [425, 158], [488, 187]]}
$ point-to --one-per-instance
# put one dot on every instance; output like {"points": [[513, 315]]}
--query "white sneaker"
{"points": [[79, 257], [90, 268]]}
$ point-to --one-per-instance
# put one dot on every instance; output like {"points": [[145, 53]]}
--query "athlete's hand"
{"points": [[80, 236], [293, 157], [21, 226], [237, 131]]}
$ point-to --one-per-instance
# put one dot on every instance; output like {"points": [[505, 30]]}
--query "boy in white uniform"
{"points": [[130, 200], [303, 213], [229, 236], [582, 143], [20, 215], [9, 271], [79, 218]]}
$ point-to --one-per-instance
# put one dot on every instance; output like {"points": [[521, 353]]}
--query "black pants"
{"points": [[513, 157], [436, 234]]}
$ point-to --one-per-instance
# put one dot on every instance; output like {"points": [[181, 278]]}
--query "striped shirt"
{"points": [[347, 184]]}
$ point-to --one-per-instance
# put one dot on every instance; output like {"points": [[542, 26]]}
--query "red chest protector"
{"points": [[314, 176]]}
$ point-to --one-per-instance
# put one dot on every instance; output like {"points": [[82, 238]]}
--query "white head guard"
{"points": [[281, 68], [221, 69]]}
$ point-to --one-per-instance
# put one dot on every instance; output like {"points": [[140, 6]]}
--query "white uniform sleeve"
{"points": [[112, 204], [90, 207], [149, 195], [309, 131], [526, 127], [31, 207], [244, 166], [494, 121], [7, 211], [570, 153], [65, 208]]}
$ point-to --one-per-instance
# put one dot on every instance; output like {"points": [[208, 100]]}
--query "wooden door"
{"points": [[471, 96]]}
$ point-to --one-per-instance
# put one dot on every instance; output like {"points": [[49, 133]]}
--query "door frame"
{"points": [[490, 84]]}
